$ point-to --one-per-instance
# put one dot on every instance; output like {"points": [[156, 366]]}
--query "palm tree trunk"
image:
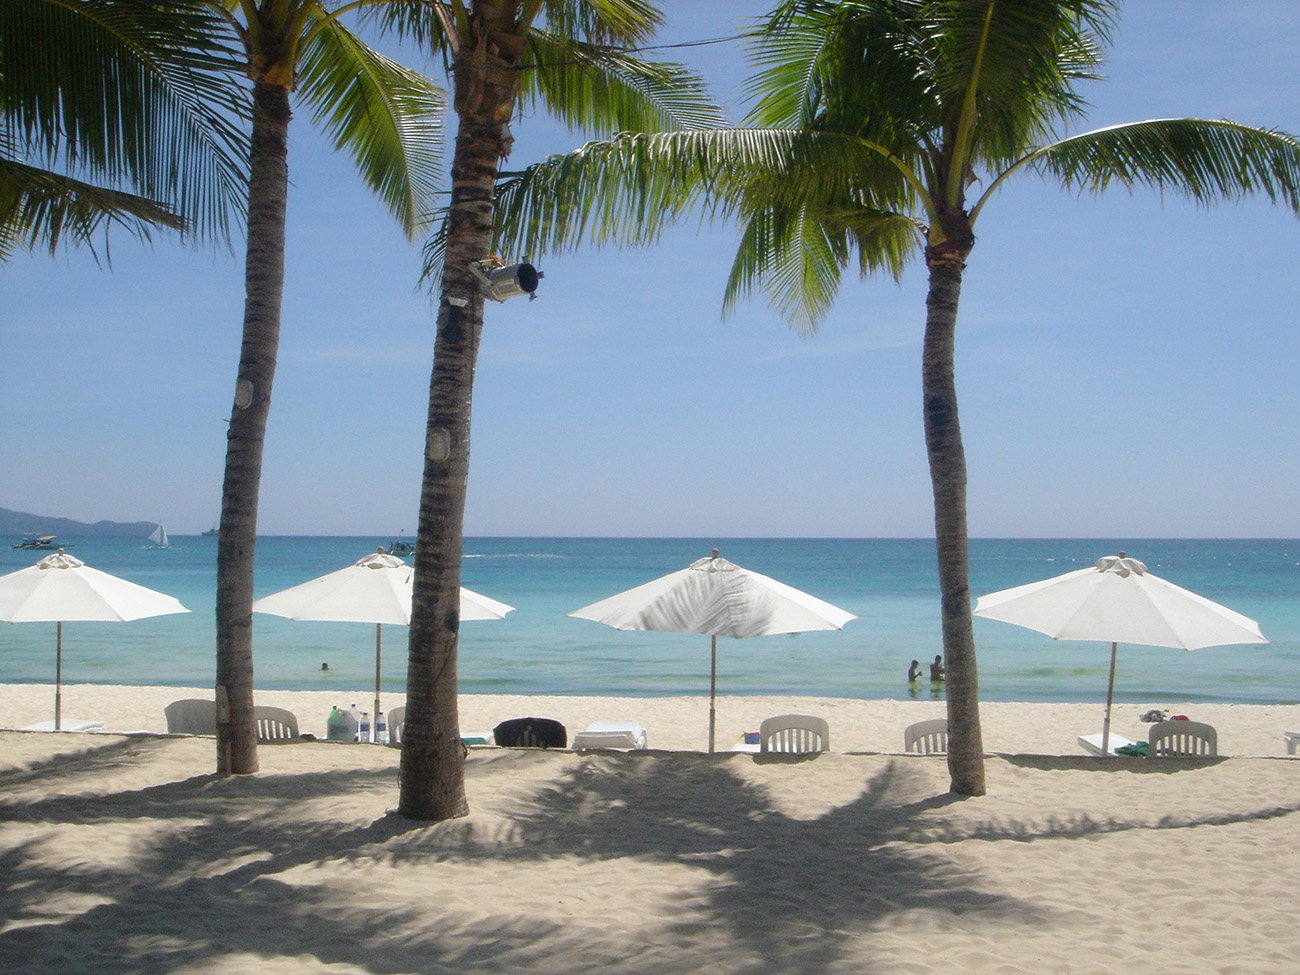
{"points": [[432, 765], [263, 288], [948, 479]]}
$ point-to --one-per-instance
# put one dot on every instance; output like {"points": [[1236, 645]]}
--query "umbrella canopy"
{"points": [[60, 588], [374, 589], [719, 598], [1118, 601]]}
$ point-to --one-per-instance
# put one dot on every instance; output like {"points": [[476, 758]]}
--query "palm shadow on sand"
{"points": [[198, 876]]}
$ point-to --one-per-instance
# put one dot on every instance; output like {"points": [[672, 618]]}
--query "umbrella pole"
{"points": [[58, 677], [374, 718], [713, 687], [1110, 693]]}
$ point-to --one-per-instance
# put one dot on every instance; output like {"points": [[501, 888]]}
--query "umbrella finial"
{"points": [[715, 552]]}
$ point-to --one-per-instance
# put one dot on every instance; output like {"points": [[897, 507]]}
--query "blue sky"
{"points": [[1125, 368]]}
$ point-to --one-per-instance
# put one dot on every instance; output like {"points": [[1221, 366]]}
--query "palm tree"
{"points": [[873, 121], [134, 94], [386, 117], [570, 55]]}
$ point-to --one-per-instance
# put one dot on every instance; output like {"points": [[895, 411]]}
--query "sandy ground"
{"points": [[125, 854]]}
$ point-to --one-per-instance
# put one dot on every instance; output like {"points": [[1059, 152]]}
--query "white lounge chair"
{"points": [[1182, 739], [66, 724], [1092, 743], [191, 716], [610, 734], [929, 737], [794, 733], [195, 716], [274, 724], [396, 725]]}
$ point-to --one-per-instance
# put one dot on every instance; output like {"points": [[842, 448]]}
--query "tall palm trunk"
{"points": [[948, 480], [432, 765], [263, 289]]}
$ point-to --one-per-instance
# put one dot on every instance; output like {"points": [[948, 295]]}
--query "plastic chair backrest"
{"points": [[927, 737], [191, 716], [275, 724], [796, 733], [396, 723], [1182, 739]]}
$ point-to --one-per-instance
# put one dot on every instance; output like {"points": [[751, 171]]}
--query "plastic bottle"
{"points": [[356, 716], [363, 729], [381, 729], [334, 725]]}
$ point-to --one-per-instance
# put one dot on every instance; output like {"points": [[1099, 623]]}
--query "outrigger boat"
{"points": [[40, 543]]}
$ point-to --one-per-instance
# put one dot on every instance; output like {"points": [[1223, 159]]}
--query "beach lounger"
{"points": [[1292, 739], [396, 724], [1182, 739], [66, 724], [928, 737], [531, 733], [794, 733], [274, 724], [1092, 743], [610, 734], [191, 716], [195, 716]]}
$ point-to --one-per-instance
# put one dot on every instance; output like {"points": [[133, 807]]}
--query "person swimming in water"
{"points": [[914, 672], [936, 669]]}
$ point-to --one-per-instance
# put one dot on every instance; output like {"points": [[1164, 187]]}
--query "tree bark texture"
{"points": [[948, 479], [432, 764], [263, 288]]}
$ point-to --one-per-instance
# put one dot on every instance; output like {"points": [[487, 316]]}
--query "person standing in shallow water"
{"points": [[914, 672], [936, 669]]}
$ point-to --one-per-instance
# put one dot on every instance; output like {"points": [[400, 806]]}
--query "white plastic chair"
{"points": [[928, 737], [1182, 739], [794, 733], [274, 724], [610, 734], [191, 716], [396, 724]]}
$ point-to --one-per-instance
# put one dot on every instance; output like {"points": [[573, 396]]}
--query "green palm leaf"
{"points": [[1201, 159], [386, 116], [133, 92]]}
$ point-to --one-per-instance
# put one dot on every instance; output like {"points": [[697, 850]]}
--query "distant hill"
{"points": [[24, 523]]}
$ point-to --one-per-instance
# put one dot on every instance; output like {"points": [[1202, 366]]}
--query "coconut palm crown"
{"points": [[880, 129]]}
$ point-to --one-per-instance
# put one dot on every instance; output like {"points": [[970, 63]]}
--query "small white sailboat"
{"points": [[158, 537]]}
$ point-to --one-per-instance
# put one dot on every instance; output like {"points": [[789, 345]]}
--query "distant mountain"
{"points": [[24, 523]]}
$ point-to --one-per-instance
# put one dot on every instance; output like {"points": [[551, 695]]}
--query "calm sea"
{"points": [[891, 584]]}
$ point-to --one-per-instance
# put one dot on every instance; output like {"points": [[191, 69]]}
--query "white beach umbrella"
{"points": [[715, 597], [60, 589], [374, 589], [1118, 601]]}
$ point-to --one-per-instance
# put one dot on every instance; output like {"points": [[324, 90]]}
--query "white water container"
{"points": [[381, 729]]}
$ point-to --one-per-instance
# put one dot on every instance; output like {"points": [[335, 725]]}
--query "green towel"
{"points": [[1137, 748]]}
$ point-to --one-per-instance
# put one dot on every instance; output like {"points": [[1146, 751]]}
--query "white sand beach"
{"points": [[124, 853]]}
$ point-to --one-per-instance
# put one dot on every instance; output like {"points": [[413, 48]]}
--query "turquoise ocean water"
{"points": [[891, 584]]}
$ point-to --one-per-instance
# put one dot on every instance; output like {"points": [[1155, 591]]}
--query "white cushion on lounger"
{"points": [[1092, 743], [67, 724], [611, 734]]}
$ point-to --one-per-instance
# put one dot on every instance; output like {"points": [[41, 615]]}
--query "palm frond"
{"points": [[386, 116], [39, 208], [132, 92], [796, 259], [1204, 160], [603, 89]]}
